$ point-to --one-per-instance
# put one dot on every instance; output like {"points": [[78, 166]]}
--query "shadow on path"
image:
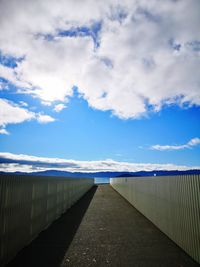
{"points": [[49, 248]]}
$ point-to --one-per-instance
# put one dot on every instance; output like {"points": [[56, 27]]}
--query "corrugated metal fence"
{"points": [[172, 203], [28, 204]]}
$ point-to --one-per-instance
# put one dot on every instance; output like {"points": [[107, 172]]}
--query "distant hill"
{"points": [[105, 174], [127, 175]]}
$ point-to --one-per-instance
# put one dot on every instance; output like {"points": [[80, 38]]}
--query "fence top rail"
{"points": [[40, 177], [157, 176]]}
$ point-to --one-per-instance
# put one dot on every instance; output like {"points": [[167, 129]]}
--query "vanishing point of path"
{"points": [[102, 229]]}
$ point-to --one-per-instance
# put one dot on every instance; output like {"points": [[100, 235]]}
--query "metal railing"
{"points": [[172, 203], [28, 204]]}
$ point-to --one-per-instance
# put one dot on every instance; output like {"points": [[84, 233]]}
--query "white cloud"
{"points": [[21, 162], [4, 131], [23, 104], [59, 107], [193, 142], [44, 118], [11, 113], [12, 76], [148, 54]]}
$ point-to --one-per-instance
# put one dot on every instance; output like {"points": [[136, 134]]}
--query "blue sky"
{"points": [[89, 91]]}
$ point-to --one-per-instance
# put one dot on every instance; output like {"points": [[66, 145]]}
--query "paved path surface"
{"points": [[102, 229]]}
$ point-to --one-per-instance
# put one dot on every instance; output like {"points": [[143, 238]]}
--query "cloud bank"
{"points": [[129, 57], [18, 162], [193, 142]]}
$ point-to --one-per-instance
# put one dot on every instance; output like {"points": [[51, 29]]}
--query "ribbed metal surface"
{"points": [[28, 204], [172, 203]]}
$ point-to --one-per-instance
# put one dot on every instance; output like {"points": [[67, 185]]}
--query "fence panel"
{"points": [[172, 203], [28, 204]]}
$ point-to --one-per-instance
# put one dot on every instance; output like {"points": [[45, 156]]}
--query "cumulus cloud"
{"points": [[11, 113], [193, 142], [19, 162], [128, 57]]}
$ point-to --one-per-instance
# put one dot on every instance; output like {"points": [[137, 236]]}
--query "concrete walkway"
{"points": [[102, 229]]}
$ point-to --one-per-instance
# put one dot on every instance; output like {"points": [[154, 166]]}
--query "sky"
{"points": [[99, 85]]}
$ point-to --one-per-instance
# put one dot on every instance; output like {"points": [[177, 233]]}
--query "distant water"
{"points": [[102, 180]]}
